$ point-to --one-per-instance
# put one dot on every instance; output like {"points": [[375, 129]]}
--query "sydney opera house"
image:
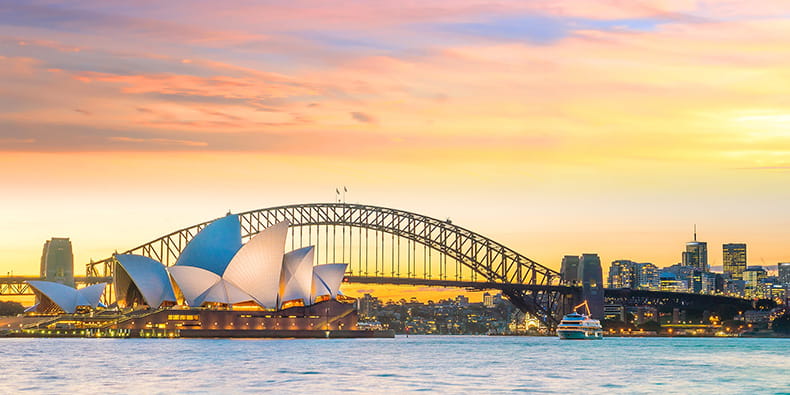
{"points": [[219, 287]]}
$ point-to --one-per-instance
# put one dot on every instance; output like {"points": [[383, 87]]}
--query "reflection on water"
{"points": [[444, 364]]}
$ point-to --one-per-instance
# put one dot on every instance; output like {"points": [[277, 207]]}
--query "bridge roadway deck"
{"points": [[7, 287], [17, 286], [78, 279], [613, 293], [479, 285]]}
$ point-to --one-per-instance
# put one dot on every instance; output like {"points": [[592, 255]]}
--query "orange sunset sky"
{"points": [[555, 127]]}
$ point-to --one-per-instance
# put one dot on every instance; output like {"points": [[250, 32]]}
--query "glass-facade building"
{"points": [[734, 259], [635, 275], [696, 255], [784, 272], [753, 276]]}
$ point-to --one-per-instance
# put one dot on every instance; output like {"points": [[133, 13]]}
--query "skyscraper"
{"points": [[647, 276], [784, 272], [753, 276], [621, 274], [734, 259], [696, 254], [57, 261]]}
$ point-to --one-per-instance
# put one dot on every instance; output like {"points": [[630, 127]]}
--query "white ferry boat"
{"points": [[580, 326]]}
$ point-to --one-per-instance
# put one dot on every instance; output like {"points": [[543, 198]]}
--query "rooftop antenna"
{"points": [[695, 232]]}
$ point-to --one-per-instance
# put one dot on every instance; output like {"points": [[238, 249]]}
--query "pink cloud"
{"points": [[162, 141]]}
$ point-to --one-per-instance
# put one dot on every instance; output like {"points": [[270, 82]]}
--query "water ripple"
{"points": [[443, 364]]}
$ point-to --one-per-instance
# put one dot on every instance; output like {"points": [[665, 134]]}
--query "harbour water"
{"points": [[445, 364]]}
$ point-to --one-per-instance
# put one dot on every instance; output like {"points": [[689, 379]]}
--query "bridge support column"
{"points": [[591, 276], [548, 306]]}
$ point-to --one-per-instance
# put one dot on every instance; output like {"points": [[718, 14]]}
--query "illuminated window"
{"points": [[180, 317]]}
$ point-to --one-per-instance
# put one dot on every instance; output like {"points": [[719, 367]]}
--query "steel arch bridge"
{"points": [[389, 246]]}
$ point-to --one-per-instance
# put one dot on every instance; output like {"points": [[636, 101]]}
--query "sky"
{"points": [[554, 127]]}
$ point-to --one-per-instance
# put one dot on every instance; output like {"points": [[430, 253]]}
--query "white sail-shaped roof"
{"points": [[65, 297], [256, 267], [214, 246], [296, 278], [61, 295], [193, 281], [148, 276], [327, 279], [224, 292], [92, 294]]}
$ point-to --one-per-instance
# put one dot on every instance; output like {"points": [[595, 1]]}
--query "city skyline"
{"points": [[555, 128], [392, 196]]}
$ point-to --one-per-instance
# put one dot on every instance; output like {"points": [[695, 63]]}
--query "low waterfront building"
{"points": [[488, 300], [614, 312]]}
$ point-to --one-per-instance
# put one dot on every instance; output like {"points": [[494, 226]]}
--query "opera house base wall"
{"points": [[328, 319], [327, 315], [295, 334], [197, 333]]}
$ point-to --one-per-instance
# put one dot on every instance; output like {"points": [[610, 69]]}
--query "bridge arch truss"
{"points": [[384, 243]]}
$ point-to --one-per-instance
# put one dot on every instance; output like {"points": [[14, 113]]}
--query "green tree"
{"points": [[765, 304], [781, 324]]}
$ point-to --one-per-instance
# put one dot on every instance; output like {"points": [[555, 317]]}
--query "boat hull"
{"points": [[579, 335]]}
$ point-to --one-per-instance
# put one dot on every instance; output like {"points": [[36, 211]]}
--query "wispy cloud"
{"points": [[188, 143], [362, 117], [12, 141], [766, 168]]}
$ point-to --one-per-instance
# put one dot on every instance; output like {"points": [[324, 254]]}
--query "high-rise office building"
{"points": [[635, 275], [753, 276], [621, 274], [734, 259], [784, 272], [647, 276], [696, 254], [570, 269], [57, 261]]}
